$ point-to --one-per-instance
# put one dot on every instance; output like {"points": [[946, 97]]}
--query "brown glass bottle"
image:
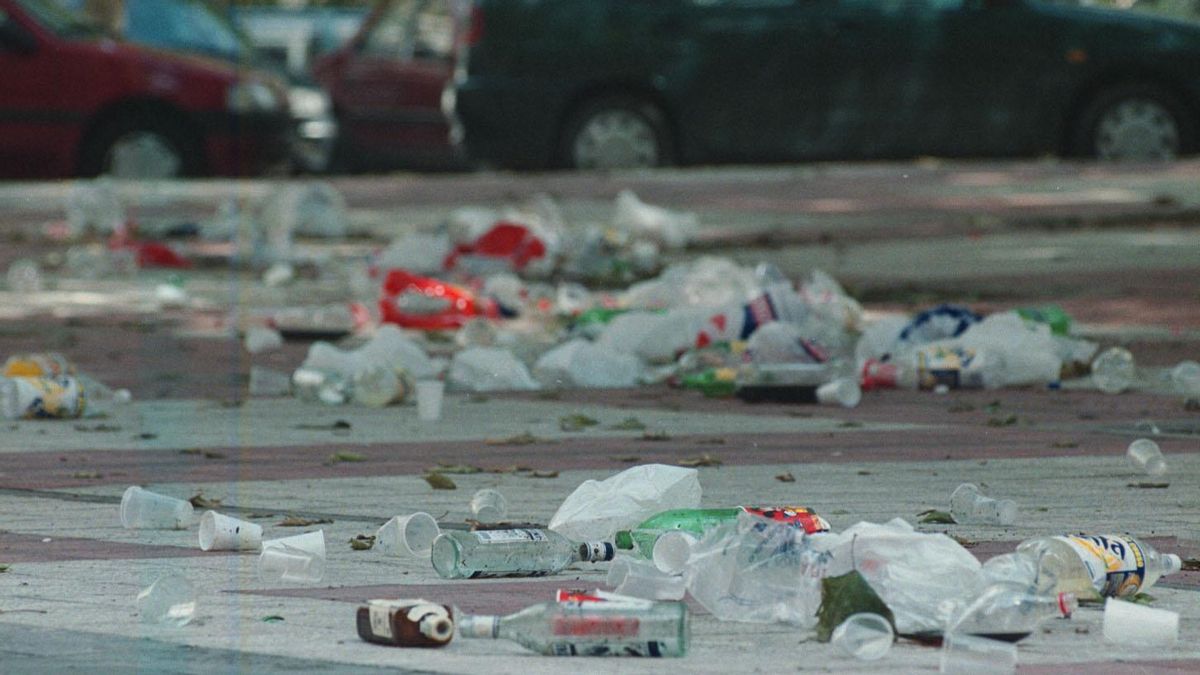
{"points": [[406, 623]]}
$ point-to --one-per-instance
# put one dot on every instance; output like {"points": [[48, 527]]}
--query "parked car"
{"points": [[614, 83], [297, 36], [196, 27], [75, 102], [387, 83]]}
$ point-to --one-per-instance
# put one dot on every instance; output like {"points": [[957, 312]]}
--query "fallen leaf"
{"points": [[935, 517], [213, 454], [458, 469], [576, 422], [337, 457], [274, 618], [525, 438], [1082, 630], [232, 403], [3, 568], [543, 474], [297, 521], [516, 468], [259, 515], [703, 460], [1149, 486], [864, 472], [86, 474], [478, 398], [628, 424], [191, 451], [439, 482], [786, 477], [339, 425], [850, 424], [1143, 599], [199, 501], [626, 459], [961, 406], [656, 436], [147, 436], [363, 542]]}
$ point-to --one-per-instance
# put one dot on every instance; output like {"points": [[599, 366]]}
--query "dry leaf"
{"points": [[363, 542], [97, 427], [965, 543], [3, 568], [656, 436], [1002, 421], [626, 459], [1192, 564], [86, 474], [1149, 486], [439, 482], [544, 474], [703, 460], [516, 468], [520, 439], [786, 477], [628, 424], [935, 517], [199, 501], [345, 457], [961, 407], [191, 451], [213, 454], [850, 424], [864, 472], [1064, 444], [576, 422], [297, 521], [711, 441]]}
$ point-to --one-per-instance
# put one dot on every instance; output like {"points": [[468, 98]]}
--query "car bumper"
{"points": [[499, 123]]}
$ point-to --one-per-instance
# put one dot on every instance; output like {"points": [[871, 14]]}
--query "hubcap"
{"points": [[616, 139], [143, 154], [1137, 129]]}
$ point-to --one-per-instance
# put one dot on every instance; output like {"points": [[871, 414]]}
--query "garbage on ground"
{"points": [[969, 505], [1144, 455], [1113, 371], [485, 369], [142, 509], [169, 601], [405, 623], [1094, 566], [297, 559], [583, 364], [408, 536], [425, 303], [642, 579], [508, 247], [24, 276], [41, 397], [625, 627], [269, 383], [219, 532], [1128, 623], [1010, 612], [430, 399], [974, 655], [511, 553], [672, 229], [259, 339], [488, 506], [646, 537], [1186, 378], [866, 637], [596, 510]]}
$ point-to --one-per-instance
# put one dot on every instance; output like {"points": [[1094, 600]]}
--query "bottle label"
{"points": [[381, 617], [49, 398], [653, 648], [1116, 564], [797, 516], [509, 536], [595, 626], [941, 367]]}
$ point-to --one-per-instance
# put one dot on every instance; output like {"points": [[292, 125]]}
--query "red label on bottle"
{"points": [[792, 515], [595, 626], [576, 596]]}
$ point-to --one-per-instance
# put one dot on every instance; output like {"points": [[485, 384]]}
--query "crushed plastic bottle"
{"points": [[1093, 566], [511, 553], [624, 627], [1010, 613]]}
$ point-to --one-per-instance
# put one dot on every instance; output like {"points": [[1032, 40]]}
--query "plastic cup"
{"points": [[968, 505], [865, 636], [143, 509], [641, 579], [170, 600], [974, 655], [1145, 455], [672, 551], [429, 399], [843, 391], [298, 559], [410, 535], [219, 532], [489, 506], [1133, 624]]}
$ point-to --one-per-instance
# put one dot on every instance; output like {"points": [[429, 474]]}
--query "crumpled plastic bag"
{"points": [[673, 229], [417, 252], [655, 337], [580, 363], [706, 282], [597, 509], [482, 369]]}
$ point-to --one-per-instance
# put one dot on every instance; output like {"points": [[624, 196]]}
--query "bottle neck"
{"points": [[479, 626], [596, 551]]}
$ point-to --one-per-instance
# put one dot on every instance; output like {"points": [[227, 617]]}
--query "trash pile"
{"points": [[860, 589]]}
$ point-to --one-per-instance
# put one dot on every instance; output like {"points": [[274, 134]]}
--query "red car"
{"points": [[76, 102], [386, 85]]}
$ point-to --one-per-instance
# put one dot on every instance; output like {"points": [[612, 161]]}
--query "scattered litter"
{"points": [[703, 460], [297, 521], [785, 477], [439, 482], [629, 424], [362, 542], [576, 422], [935, 517], [273, 618], [524, 438], [339, 457]]}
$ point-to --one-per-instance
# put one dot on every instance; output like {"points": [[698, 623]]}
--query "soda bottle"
{"points": [[713, 382], [40, 397], [698, 521], [1108, 565], [616, 628], [511, 553], [1008, 612]]}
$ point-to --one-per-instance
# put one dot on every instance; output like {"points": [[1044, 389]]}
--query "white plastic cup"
{"points": [[974, 655], [489, 506], [864, 636], [1132, 624], [429, 399], [410, 535], [672, 551], [219, 532], [143, 509], [843, 391], [641, 579], [1145, 455], [298, 559]]}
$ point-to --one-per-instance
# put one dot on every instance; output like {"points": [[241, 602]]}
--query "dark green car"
{"points": [[633, 83]]}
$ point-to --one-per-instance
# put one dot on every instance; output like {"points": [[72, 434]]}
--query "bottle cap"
{"points": [[597, 551]]}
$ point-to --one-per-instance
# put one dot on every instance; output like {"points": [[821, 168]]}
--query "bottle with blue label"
{"points": [[1093, 566]]}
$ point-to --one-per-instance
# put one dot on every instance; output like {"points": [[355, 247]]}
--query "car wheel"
{"points": [[1134, 123], [141, 147], [616, 133]]}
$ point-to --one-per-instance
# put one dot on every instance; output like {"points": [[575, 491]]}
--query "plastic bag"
{"points": [[580, 363], [653, 336], [705, 282], [489, 369], [597, 509], [673, 229]]}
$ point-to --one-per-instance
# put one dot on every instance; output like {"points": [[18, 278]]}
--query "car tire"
{"points": [[615, 132], [1135, 122], [141, 146]]}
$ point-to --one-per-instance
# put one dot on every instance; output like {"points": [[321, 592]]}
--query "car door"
{"points": [[36, 132], [388, 93]]}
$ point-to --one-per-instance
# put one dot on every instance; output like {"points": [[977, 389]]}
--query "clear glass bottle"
{"points": [[510, 553], [590, 628], [1108, 565]]}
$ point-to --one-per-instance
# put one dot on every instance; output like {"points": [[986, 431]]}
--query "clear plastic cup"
{"points": [[1132, 624], [429, 399], [219, 532], [865, 636], [170, 600], [410, 535], [143, 509], [298, 559], [968, 505], [1145, 455], [974, 655], [672, 550], [489, 506], [843, 391], [641, 579], [1113, 371]]}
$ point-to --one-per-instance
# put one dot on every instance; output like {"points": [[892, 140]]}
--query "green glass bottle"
{"points": [[698, 521]]}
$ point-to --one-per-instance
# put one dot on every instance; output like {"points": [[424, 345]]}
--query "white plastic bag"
{"points": [[673, 229], [597, 509], [489, 369], [580, 363]]}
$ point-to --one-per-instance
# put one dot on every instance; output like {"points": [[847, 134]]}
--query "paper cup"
{"points": [[219, 532], [298, 559], [974, 655], [489, 506], [672, 551], [1133, 624], [410, 535], [843, 391], [143, 509], [429, 399]]}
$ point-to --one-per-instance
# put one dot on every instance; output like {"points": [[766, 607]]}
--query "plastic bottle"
{"points": [[1105, 565], [934, 366], [698, 521], [511, 553], [378, 386], [1051, 315], [713, 382], [1113, 371], [41, 397], [615, 628], [1008, 612]]}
